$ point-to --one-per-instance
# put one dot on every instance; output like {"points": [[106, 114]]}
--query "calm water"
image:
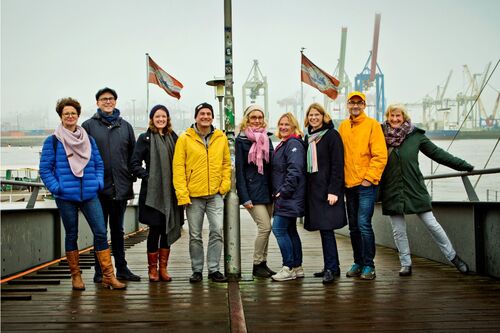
{"points": [[475, 152]]}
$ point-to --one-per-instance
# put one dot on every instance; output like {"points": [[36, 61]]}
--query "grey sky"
{"points": [[56, 48]]}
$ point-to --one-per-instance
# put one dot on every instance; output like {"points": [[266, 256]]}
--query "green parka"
{"points": [[402, 188]]}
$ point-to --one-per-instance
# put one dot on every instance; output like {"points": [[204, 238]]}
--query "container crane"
{"points": [[368, 76], [254, 86]]}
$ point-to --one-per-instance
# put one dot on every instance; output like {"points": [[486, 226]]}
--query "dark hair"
{"points": [[68, 101], [105, 90]]}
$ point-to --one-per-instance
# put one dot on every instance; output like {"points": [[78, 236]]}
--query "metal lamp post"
{"points": [[219, 94]]}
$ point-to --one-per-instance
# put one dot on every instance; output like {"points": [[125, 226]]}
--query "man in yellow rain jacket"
{"points": [[202, 175], [365, 157]]}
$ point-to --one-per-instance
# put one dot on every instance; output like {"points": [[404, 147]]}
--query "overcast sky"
{"points": [[56, 48]]}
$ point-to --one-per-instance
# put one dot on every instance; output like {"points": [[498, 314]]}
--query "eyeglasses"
{"points": [[106, 99], [256, 118], [70, 114], [356, 103]]}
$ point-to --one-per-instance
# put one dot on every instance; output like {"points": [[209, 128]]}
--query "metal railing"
{"points": [[33, 187], [471, 192]]}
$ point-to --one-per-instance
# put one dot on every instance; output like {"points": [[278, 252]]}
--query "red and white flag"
{"points": [[164, 80], [317, 78]]}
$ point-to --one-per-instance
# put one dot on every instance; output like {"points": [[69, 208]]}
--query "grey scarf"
{"points": [[160, 193]]}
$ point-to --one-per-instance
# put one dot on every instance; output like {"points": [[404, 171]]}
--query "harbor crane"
{"points": [[255, 86], [373, 74]]}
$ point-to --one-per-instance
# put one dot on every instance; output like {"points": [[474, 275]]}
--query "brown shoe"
{"points": [[108, 275], [153, 266], [73, 258], [164, 254]]}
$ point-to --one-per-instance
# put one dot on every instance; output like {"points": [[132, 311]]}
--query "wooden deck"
{"points": [[435, 298]]}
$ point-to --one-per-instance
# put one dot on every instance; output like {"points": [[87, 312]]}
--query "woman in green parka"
{"points": [[402, 187]]}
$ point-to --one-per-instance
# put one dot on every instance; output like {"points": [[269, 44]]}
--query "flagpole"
{"points": [[301, 90], [147, 85]]}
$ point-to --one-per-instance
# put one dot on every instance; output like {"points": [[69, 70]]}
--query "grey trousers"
{"points": [[213, 206], [437, 232]]}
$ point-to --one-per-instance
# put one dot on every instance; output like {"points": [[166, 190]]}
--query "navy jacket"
{"points": [[116, 145], [57, 176], [289, 178], [251, 185]]}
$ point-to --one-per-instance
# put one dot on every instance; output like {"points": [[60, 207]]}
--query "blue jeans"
{"points": [[285, 230], [92, 211], [330, 252], [360, 205]]}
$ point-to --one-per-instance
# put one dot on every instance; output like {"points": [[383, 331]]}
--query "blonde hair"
{"points": [[293, 122], [397, 106], [326, 117], [246, 117]]}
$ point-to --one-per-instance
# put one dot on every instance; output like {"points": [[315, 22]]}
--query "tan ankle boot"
{"points": [[153, 266], [164, 254], [108, 275], [73, 258]]}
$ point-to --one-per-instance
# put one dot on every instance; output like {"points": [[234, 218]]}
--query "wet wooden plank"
{"points": [[434, 298]]}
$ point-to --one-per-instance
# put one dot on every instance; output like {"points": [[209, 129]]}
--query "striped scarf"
{"points": [[312, 156]]}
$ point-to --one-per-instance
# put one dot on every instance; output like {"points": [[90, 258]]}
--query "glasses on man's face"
{"points": [[106, 99], [359, 103], [256, 118], [69, 114]]}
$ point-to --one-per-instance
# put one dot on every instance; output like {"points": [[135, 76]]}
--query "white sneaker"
{"points": [[299, 272], [284, 274]]}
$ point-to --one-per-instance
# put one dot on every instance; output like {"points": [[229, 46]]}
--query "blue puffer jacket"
{"points": [[57, 176], [289, 178]]}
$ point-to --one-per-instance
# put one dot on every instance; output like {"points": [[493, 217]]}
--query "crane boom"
{"points": [[376, 32]]}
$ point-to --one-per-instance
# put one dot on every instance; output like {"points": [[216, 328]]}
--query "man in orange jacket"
{"points": [[365, 157]]}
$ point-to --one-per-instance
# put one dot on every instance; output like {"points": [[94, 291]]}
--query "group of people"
{"points": [[332, 178]]}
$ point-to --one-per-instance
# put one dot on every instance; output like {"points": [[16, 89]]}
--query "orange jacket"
{"points": [[365, 152]]}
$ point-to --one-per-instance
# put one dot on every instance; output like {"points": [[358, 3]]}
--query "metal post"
{"points": [[232, 248], [221, 114]]}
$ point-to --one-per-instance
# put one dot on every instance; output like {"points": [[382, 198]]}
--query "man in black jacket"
{"points": [[115, 139]]}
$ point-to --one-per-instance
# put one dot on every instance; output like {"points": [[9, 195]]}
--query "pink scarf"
{"points": [[77, 147], [260, 147]]}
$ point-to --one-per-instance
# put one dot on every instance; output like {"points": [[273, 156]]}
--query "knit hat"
{"points": [[105, 90], [253, 107], [156, 108], [203, 105]]}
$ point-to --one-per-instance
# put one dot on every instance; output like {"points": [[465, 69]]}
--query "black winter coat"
{"points": [[289, 178], [148, 215], [251, 185], [329, 179], [116, 145], [402, 188]]}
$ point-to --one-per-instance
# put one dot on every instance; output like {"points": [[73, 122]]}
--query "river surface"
{"points": [[475, 152]]}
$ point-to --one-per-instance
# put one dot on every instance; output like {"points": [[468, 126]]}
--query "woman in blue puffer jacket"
{"points": [[72, 170]]}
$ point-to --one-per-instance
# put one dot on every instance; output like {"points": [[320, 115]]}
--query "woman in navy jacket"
{"points": [[72, 170], [325, 208], [253, 181], [289, 185]]}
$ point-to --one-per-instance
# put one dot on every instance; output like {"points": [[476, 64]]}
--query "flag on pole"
{"points": [[164, 80], [317, 78]]}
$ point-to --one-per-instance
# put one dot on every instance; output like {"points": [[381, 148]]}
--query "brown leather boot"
{"points": [[108, 275], [153, 266], [164, 254], [73, 258]]}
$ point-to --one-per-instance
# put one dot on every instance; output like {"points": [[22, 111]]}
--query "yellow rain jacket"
{"points": [[365, 151], [199, 170]]}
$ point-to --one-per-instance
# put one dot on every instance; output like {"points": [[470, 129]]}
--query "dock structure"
{"points": [[435, 298]]}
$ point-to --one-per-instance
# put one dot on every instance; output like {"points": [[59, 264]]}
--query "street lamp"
{"points": [[219, 84]]}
